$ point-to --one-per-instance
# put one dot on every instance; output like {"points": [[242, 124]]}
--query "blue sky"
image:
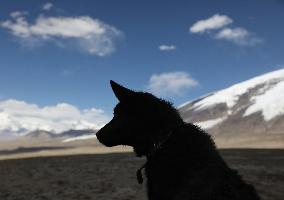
{"points": [[73, 64]]}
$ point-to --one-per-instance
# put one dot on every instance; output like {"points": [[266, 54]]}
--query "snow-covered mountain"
{"points": [[255, 106], [66, 134], [82, 137]]}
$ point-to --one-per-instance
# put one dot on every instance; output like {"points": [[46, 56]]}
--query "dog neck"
{"points": [[156, 148], [151, 146]]}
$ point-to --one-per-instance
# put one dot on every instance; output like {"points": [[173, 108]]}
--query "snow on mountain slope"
{"points": [[255, 105], [270, 103], [231, 95], [83, 137], [210, 123]]}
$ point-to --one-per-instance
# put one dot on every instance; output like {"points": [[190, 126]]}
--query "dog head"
{"points": [[138, 121]]}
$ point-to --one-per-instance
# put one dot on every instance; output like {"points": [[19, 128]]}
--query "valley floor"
{"points": [[112, 176]]}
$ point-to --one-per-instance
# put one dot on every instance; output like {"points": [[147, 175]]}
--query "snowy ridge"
{"points": [[190, 101], [210, 123], [269, 99], [231, 94], [82, 137], [270, 103], [256, 105]]}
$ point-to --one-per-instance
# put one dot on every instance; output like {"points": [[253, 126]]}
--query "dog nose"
{"points": [[98, 133]]}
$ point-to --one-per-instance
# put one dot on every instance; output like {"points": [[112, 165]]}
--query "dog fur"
{"points": [[182, 160]]}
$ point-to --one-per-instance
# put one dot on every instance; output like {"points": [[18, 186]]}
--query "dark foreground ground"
{"points": [[112, 176]]}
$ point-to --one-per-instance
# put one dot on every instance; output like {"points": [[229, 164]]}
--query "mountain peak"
{"points": [[230, 95], [257, 104]]}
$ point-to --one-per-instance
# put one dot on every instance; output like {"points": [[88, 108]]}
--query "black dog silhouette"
{"points": [[182, 160]]}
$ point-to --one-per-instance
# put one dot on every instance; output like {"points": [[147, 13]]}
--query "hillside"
{"points": [[250, 112]]}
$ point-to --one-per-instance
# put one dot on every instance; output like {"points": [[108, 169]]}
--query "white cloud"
{"points": [[215, 22], [90, 35], [17, 14], [19, 117], [239, 36], [232, 34], [167, 47], [171, 83], [47, 6], [67, 72]]}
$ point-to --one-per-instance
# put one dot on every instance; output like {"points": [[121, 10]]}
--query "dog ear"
{"points": [[122, 94]]}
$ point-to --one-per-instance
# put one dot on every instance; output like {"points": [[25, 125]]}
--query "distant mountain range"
{"points": [[66, 134], [251, 108], [247, 114]]}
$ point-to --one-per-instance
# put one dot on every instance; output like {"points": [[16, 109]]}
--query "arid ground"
{"points": [[112, 176]]}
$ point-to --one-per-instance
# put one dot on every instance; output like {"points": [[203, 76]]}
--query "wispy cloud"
{"points": [[18, 14], [20, 117], [67, 72], [237, 35], [167, 47], [47, 6], [90, 35], [215, 22], [171, 83]]}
